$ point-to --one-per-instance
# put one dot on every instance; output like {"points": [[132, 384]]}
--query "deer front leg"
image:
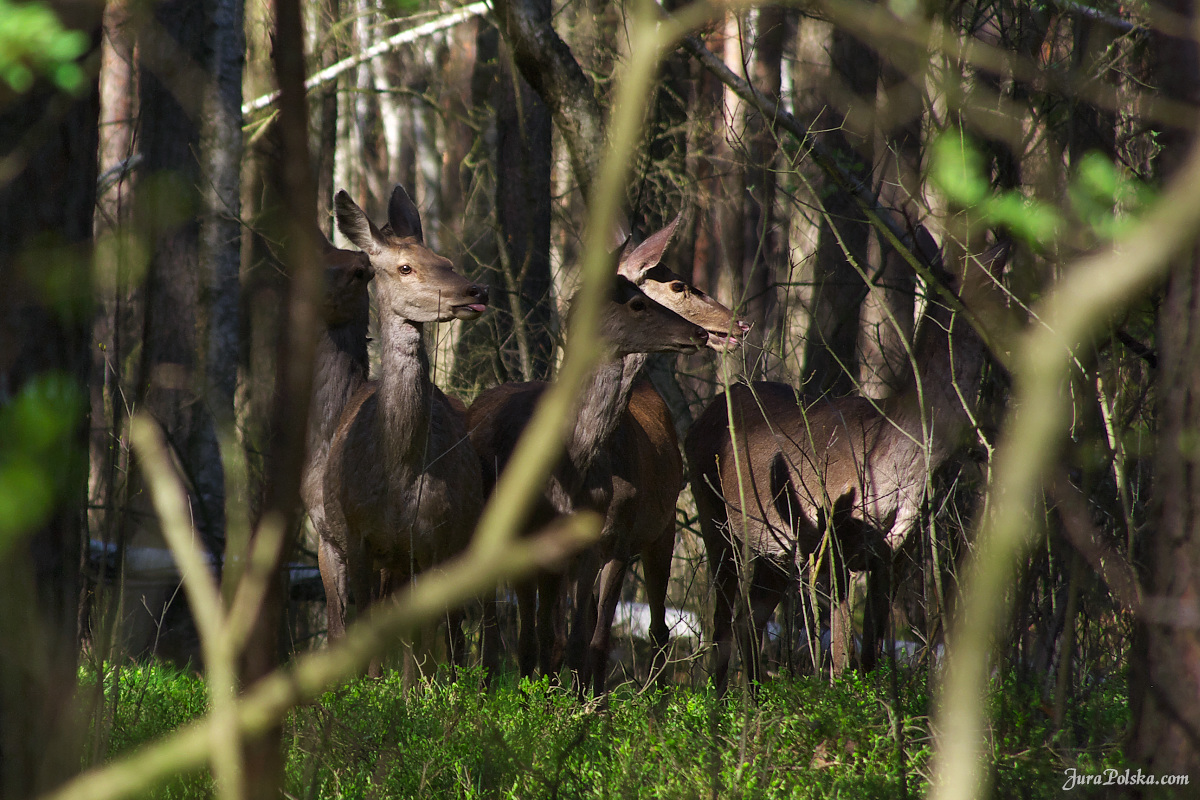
{"points": [[611, 579], [656, 568], [551, 623], [527, 638]]}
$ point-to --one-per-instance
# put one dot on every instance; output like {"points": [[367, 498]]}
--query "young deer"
{"points": [[341, 367], [595, 470], [850, 469], [402, 485]]}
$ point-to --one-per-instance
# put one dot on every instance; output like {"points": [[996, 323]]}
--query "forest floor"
{"points": [[857, 737]]}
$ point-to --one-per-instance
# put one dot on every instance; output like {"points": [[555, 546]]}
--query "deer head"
{"points": [[347, 273], [633, 323], [412, 281], [642, 265]]}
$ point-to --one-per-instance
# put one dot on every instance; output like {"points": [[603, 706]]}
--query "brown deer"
{"points": [[340, 370], [402, 485], [594, 472], [852, 469], [641, 518]]}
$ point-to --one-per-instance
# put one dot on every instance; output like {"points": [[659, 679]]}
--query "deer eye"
{"points": [[637, 304], [405, 269], [677, 286]]}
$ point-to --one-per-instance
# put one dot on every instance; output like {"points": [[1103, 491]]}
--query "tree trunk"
{"points": [[173, 364], [1166, 661], [45, 324], [831, 357], [523, 156]]}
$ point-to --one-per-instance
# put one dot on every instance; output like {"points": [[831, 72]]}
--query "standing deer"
{"points": [[402, 485], [341, 369], [598, 468], [852, 469], [641, 518]]}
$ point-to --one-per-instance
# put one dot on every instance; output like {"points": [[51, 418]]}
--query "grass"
{"points": [[804, 738]]}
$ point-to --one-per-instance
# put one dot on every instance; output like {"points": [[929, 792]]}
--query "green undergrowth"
{"points": [[861, 737]]}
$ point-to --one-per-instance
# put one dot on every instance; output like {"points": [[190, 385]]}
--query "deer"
{"points": [[340, 370], [848, 472], [402, 489], [599, 468], [641, 520]]}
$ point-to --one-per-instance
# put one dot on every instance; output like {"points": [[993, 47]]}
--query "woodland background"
{"points": [[144, 252]]}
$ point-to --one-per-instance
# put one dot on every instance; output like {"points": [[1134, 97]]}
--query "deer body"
{"points": [[851, 468], [402, 486], [597, 469], [341, 366]]}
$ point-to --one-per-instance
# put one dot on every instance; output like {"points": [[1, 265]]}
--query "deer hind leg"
{"points": [[656, 568], [337, 591]]}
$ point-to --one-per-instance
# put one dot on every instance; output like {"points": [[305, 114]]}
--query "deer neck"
{"points": [[405, 392], [605, 399], [341, 369]]}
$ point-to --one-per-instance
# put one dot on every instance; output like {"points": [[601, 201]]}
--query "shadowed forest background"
{"points": [[840, 169]]}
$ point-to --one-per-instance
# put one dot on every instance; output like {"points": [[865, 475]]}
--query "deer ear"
{"points": [[618, 237], [637, 262], [354, 225], [403, 215], [326, 245]]}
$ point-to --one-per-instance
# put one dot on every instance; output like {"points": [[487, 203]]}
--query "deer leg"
{"points": [[360, 586], [725, 589], [456, 641], [527, 638], [656, 568], [611, 579], [491, 638], [551, 623], [879, 601], [841, 622], [337, 592], [766, 590], [583, 624]]}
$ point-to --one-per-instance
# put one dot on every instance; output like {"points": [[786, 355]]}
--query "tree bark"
{"points": [[1166, 661], [523, 158], [546, 62]]}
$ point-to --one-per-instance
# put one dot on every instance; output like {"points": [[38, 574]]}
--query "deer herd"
{"points": [[788, 489]]}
